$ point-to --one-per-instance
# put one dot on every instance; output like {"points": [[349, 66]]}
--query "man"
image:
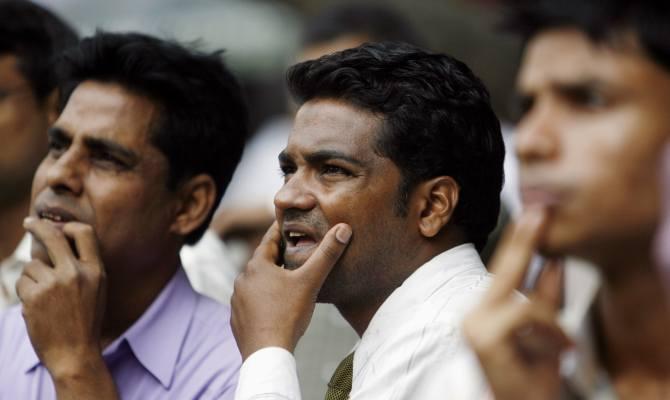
{"points": [[595, 85], [396, 155], [146, 143], [247, 207], [30, 38]]}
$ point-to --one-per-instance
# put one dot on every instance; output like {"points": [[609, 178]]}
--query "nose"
{"points": [[537, 134], [65, 174], [295, 194]]}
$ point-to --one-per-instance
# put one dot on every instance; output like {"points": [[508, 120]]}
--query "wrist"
{"points": [[76, 366]]}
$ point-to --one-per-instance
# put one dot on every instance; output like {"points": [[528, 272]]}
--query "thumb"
{"points": [[319, 264]]}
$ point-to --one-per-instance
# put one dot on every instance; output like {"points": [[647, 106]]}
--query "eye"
{"points": [[520, 106], [56, 147], [286, 170], [107, 159], [335, 170], [587, 98]]}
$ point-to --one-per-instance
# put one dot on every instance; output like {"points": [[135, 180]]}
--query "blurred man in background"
{"points": [[594, 87], [30, 39]]}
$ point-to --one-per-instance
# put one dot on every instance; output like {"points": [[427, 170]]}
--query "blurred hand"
{"points": [[519, 342], [272, 306], [63, 298]]}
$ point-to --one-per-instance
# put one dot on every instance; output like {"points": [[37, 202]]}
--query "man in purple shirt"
{"points": [[147, 141]]}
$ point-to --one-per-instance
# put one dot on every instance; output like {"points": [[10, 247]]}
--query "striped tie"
{"points": [[340, 384]]}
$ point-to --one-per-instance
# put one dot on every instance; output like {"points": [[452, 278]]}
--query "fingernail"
{"points": [[343, 234], [27, 220]]}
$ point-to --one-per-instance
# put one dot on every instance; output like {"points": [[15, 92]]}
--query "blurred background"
{"points": [[262, 37]]}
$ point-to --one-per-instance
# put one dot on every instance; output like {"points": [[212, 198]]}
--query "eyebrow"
{"points": [[322, 156], [97, 144]]}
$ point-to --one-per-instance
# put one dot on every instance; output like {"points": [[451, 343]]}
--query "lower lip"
{"points": [[300, 247], [56, 224], [540, 197]]}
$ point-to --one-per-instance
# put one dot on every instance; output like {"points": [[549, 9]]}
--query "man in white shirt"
{"points": [[392, 178], [594, 87]]}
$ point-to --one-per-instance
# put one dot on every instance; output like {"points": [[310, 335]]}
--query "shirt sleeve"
{"points": [[269, 374]]}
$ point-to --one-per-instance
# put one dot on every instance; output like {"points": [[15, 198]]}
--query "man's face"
{"points": [[333, 175], [102, 170], [596, 118], [23, 124]]}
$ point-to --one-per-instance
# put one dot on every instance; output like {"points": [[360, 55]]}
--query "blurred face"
{"points": [[102, 170], [596, 116], [333, 175], [23, 125]]}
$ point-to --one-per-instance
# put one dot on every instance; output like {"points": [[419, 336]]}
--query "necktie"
{"points": [[340, 384]]}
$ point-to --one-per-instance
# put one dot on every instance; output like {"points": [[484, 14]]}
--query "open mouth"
{"points": [[299, 239], [56, 215]]}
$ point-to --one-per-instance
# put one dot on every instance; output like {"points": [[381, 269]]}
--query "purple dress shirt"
{"points": [[182, 347]]}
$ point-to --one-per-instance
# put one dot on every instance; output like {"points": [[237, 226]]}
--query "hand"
{"points": [[63, 298], [518, 342], [272, 306]]}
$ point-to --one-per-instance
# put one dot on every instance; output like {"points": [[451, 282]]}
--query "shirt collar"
{"points": [[157, 337], [22, 252], [403, 303], [581, 367]]}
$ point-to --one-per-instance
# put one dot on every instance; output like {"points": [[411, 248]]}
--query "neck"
{"points": [[635, 319], [12, 226], [359, 314], [129, 296]]}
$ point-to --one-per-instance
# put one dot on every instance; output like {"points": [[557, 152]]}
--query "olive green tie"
{"points": [[340, 384]]}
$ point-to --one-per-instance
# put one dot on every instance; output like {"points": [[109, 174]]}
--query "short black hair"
{"points": [[375, 23], [601, 20], [202, 122], [36, 37], [437, 121]]}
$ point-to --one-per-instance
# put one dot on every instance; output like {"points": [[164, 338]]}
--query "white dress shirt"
{"points": [[10, 272], [406, 351]]}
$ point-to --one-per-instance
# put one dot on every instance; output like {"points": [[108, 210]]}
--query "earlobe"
{"points": [[439, 199], [197, 197]]}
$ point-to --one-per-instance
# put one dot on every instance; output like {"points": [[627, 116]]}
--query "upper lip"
{"points": [[289, 228], [56, 214], [532, 194]]}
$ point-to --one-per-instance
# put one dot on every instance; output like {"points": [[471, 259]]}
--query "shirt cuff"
{"points": [[269, 373]]}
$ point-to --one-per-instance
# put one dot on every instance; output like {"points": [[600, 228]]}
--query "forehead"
{"points": [[108, 111], [568, 56], [334, 125]]}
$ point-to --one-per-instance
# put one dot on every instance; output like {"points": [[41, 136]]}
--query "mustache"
{"points": [[311, 218]]}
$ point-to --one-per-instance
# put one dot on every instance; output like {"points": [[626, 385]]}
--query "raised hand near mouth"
{"points": [[518, 342], [272, 306], [63, 297]]}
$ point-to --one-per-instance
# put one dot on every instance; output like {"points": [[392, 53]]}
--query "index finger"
{"points": [[511, 259], [85, 242], [59, 250], [269, 246]]}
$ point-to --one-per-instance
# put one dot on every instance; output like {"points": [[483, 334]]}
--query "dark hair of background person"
{"points": [[437, 121], [202, 124], [376, 23], [36, 37], [602, 20]]}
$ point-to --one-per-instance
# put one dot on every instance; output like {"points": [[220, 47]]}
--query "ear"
{"points": [[51, 104], [438, 198], [196, 199]]}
